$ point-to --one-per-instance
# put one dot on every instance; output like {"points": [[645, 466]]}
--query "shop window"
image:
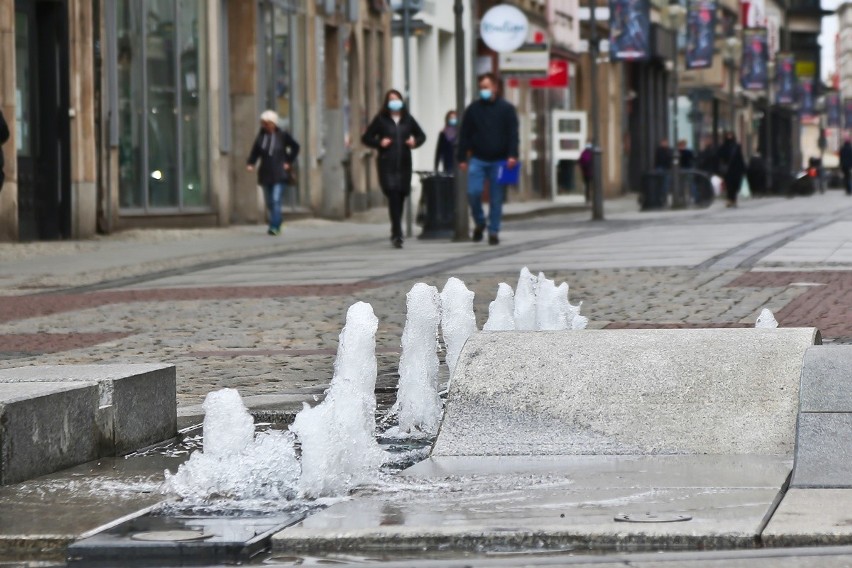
{"points": [[163, 156]]}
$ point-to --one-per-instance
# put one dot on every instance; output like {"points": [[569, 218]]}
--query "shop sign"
{"points": [[531, 59], [557, 76], [504, 28]]}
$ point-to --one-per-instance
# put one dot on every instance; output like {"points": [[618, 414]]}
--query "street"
{"points": [[236, 308]]}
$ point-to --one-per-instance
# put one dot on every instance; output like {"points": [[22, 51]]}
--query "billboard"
{"points": [[754, 71], [629, 30], [700, 33], [785, 79], [832, 110], [807, 100]]}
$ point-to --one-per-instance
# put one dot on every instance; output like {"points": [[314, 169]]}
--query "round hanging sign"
{"points": [[504, 28]]}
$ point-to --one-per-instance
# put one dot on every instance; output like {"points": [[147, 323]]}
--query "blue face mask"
{"points": [[395, 105], [485, 94], [453, 121]]}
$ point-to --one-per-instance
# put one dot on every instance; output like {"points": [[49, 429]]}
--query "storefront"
{"points": [[162, 106]]}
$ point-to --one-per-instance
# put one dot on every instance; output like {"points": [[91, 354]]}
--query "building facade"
{"points": [[139, 113]]}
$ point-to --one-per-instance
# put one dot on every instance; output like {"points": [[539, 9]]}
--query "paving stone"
{"points": [[45, 427], [808, 517], [137, 403]]}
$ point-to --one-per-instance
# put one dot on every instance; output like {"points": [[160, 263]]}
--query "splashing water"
{"points": [[458, 321], [418, 404], [766, 319], [339, 449], [550, 308], [501, 312], [525, 301], [234, 463]]}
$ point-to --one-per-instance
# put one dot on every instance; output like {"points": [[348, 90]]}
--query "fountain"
{"points": [[458, 321], [766, 319], [525, 300], [501, 312]]}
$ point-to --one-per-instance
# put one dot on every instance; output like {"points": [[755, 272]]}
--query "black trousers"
{"points": [[732, 187], [396, 205], [847, 180]]}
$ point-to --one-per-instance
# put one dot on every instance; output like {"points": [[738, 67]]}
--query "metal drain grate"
{"points": [[652, 518]]}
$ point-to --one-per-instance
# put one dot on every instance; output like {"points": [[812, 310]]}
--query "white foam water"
{"points": [[501, 312], [236, 464], [766, 319], [551, 305], [418, 405], [458, 321], [339, 448], [525, 301]]}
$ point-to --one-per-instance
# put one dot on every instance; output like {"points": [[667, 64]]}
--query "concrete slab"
{"points": [[824, 450], [827, 379], [565, 501], [811, 517], [654, 391], [46, 427], [137, 403]]}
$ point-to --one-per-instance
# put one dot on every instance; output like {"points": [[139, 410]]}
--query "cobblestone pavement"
{"points": [[232, 310]]}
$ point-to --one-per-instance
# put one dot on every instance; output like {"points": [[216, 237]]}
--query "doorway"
{"points": [[42, 121]]}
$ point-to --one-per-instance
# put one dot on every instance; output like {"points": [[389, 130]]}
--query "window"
{"points": [[162, 105]]}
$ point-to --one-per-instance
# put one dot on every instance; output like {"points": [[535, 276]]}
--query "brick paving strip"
{"points": [[825, 307], [23, 344], [276, 352]]}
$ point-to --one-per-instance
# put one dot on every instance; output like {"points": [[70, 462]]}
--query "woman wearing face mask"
{"points": [[394, 132], [446, 143]]}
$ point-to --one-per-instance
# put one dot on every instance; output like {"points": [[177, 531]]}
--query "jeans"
{"points": [[272, 196], [478, 171]]}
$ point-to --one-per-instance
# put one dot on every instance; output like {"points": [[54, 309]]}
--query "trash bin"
{"points": [[438, 203], [654, 194]]}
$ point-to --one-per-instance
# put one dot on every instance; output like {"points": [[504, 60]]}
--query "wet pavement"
{"points": [[232, 308]]}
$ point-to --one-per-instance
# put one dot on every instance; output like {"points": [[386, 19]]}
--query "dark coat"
{"points": [[445, 152], [394, 163], [663, 158], [489, 131], [707, 160], [846, 156], [732, 163], [285, 150], [4, 137], [687, 159]]}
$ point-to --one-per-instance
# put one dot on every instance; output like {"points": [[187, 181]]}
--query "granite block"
{"points": [[824, 450], [649, 391], [827, 379], [136, 403], [45, 427]]}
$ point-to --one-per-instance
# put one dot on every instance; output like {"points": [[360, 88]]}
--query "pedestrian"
{"points": [[394, 133], [277, 151], [587, 168], [846, 164], [731, 167], [686, 159], [663, 158], [488, 141], [4, 137], [445, 150]]}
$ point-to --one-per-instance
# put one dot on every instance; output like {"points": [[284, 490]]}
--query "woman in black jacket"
{"points": [[277, 151], [394, 132]]}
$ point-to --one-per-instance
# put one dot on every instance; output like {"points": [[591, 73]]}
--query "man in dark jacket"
{"points": [[846, 164], [488, 140], [4, 137], [276, 151], [731, 166]]}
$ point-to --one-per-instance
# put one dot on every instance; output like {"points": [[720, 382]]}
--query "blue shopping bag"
{"points": [[506, 176]]}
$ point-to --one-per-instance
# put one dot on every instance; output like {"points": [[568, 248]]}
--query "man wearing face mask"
{"points": [[488, 138]]}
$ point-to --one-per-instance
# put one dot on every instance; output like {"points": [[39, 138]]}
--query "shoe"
{"points": [[397, 243], [477, 233], [274, 232], [493, 239], [270, 231]]}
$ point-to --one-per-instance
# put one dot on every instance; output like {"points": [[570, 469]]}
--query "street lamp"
{"points": [[460, 222], [676, 16], [597, 170], [731, 49], [770, 72]]}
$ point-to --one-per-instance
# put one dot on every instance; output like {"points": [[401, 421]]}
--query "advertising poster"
{"points": [[700, 33], [807, 101], [629, 30], [754, 71], [785, 79], [847, 113], [832, 110]]}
